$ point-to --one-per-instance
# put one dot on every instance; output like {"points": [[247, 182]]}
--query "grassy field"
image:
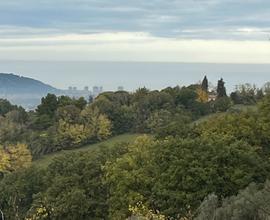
{"points": [[45, 160]]}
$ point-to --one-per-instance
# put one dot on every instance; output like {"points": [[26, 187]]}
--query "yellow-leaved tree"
{"points": [[14, 157], [104, 127], [71, 133], [202, 95], [96, 125]]}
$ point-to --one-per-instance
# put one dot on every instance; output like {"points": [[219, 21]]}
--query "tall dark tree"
{"points": [[205, 84], [46, 112], [221, 90], [48, 105]]}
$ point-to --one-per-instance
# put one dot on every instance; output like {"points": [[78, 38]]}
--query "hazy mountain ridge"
{"points": [[27, 92], [11, 84]]}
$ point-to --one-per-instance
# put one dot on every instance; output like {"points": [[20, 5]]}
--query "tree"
{"points": [[104, 128], [10, 131], [96, 125], [142, 212], [221, 90], [163, 123], [236, 98], [74, 187], [69, 113], [186, 96], [241, 126], [250, 203], [266, 88], [175, 174], [80, 103], [70, 134], [204, 85], [247, 94], [202, 95], [14, 157], [46, 112], [48, 105], [17, 191], [6, 106], [127, 180], [63, 101], [221, 104], [117, 107], [4, 160]]}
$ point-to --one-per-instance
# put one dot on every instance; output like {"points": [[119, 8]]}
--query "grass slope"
{"points": [[46, 160]]}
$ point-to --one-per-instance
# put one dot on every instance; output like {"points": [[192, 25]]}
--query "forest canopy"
{"points": [[200, 154]]}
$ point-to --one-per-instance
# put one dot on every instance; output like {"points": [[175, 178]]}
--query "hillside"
{"points": [[23, 91], [12, 84], [45, 160], [176, 163]]}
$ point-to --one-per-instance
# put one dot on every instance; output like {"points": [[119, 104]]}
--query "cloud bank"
{"points": [[139, 30]]}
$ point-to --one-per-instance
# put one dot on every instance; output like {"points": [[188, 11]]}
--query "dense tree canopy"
{"points": [[196, 158]]}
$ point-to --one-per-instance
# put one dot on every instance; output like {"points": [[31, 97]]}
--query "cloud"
{"points": [[126, 46], [139, 30], [158, 17]]}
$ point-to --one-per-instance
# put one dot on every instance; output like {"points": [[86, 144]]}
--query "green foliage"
{"points": [[163, 176], [125, 176], [186, 96], [45, 160], [10, 131], [117, 107], [240, 126], [17, 190], [71, 187], [250, 203], [6, 106], [46, 112], [48, 105], [174, 175], [164, 123], [221, 104], [246, 94]]}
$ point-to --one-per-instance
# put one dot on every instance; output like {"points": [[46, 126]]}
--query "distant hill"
{"points": [[27, 92], [11, 84], [23, 91]]}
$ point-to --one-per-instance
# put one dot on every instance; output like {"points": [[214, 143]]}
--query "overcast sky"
{"points": [[222, 31]]}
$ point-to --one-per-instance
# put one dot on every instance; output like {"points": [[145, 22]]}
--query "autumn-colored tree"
{"points": [[70, 134], [14, 157], [202, 95], [104, 127], [95, 124]]}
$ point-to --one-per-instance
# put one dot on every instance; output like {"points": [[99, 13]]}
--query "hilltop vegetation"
{"points": [[200, 156]]}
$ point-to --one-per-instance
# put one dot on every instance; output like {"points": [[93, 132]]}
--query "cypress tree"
{"points": [[205, 84], [221, 90]]}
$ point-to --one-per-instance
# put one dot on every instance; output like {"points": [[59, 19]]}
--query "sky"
{"points": [[206, 31]]}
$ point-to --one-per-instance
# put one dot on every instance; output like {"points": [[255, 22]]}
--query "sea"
{"points": [[132, 75]]}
